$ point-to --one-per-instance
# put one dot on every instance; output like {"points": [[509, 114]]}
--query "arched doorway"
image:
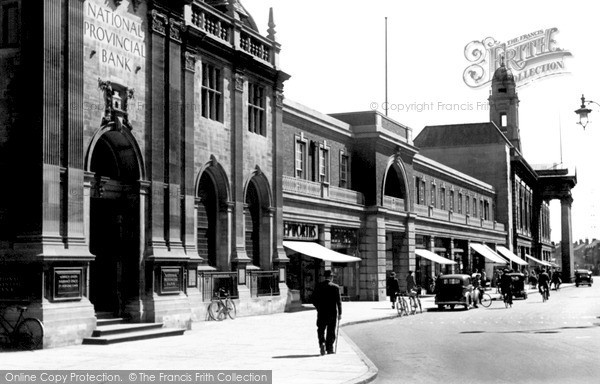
{"points": [[258, 220], [207, 219], [114, 221], [213, 215]]}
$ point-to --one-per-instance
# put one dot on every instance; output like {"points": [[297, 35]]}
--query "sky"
{"points": [[335, 52]]}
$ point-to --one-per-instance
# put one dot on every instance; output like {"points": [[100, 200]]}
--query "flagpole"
{"points": [[386, 67]]}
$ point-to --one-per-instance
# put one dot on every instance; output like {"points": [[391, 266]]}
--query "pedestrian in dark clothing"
{"points": [[506, 286], [327, 300], [392, 288], [410, 282]]}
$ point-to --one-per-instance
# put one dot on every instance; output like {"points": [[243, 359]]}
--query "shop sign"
{"points": [[299, 231], [170, 279], [120, 38], [68, 283]]}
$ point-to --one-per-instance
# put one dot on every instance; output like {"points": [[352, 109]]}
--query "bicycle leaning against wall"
{"points": [[24, 333], [221, 306]]}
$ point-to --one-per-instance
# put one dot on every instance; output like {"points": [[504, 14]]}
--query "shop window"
{"points": [[256, 109], [211, 92]]}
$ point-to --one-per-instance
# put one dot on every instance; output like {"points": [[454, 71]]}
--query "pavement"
{"points": [[285, 343]]}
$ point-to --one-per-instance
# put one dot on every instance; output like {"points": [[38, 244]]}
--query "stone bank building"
{"points": [[155, 161]]}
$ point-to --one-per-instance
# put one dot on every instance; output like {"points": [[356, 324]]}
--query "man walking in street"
{"points": [[328, 302]]}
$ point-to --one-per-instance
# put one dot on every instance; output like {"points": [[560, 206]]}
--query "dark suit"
{"points": [[328, 302]]}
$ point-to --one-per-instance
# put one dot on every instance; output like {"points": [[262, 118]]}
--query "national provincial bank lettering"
{"points": [[122, 36]]}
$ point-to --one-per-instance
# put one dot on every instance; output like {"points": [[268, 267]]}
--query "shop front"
{"points": [[309, 259]]}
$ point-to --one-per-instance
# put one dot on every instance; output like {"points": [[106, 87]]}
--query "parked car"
{"points": [[453, 290], [583, 276]]}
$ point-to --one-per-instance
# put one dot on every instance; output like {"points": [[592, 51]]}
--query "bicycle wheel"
{"points": [[419, 307], [486, 300], [403, 311], [215, 310], [29, 334], [230, 309]]}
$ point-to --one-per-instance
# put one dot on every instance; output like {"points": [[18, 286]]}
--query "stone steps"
{"points": [[116, 330]]}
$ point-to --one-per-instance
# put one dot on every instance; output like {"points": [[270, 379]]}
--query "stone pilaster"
{"points": [[155, 153], [173, 158], [237, 155], [566, 243], [372, 269], [189, 193]]}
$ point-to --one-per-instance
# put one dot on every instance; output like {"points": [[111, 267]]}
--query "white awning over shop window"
{"points": [[319, 252], [488, 253], [433, 257], [511, 256], [541, 262]]}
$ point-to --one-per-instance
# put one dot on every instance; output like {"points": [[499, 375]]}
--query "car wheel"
{"points": [[440, 307], [577, 284]]}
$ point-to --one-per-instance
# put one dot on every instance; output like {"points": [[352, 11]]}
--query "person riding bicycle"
{"points": [[544, 283], [506, 286]]}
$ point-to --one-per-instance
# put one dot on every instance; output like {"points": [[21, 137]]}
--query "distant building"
{"points": [[492, 153]]}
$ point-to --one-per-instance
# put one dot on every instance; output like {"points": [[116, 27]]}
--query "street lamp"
{"points": [[583, 112]]}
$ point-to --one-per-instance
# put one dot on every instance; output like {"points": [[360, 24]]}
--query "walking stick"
{"points": [[337, 331]]}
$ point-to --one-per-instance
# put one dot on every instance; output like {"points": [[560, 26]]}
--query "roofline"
{"points": [[319, 118]]}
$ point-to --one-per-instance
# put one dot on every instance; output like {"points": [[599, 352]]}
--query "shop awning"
{"points": [[433, 257], [319, 252], [511, 256], [545, 263], [488, 253]]}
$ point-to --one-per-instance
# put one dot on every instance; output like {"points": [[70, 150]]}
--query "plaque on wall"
{"points": [[171, 280], [68, 284], [192, 280]]}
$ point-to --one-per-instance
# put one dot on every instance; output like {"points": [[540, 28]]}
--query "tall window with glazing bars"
{"points": [[211, 92], [256, 109]]}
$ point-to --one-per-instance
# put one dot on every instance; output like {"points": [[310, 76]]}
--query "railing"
{"points": [[211, 23], [223, 28], [314, 189], [263, 283], [255, 47], [394, 203], [211, 282]]}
